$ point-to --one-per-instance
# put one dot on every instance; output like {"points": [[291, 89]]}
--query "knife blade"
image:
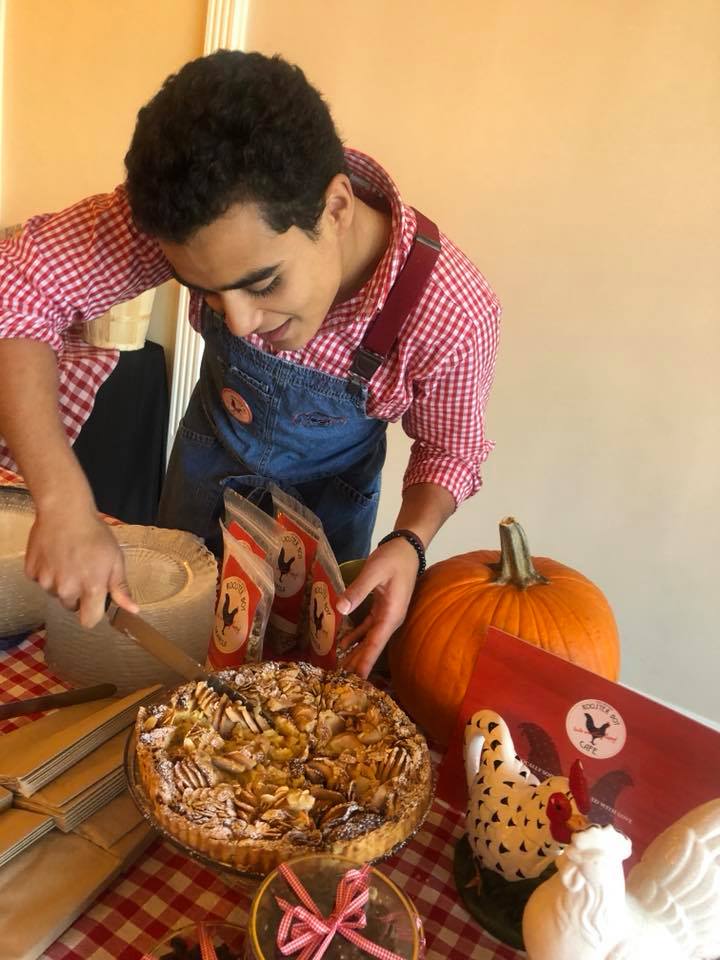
{"points": [[164, 650], [20, 708]]}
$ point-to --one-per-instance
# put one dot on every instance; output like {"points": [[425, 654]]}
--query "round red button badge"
{"points": [[235, 405]]}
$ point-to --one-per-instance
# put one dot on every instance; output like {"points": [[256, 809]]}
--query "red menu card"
{"points": [[645, 764]]}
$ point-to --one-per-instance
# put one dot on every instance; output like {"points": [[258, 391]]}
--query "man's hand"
{"points": [[70, 551], [74, 556], [389, 574]]}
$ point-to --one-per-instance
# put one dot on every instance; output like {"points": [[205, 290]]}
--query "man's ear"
{"points": [[339, 203]]}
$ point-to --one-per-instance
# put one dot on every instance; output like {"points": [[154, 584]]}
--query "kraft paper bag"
{"points": [[39, 752], [85, 774], [109, 825], [83, 789], [19, 829], [45, 889]]}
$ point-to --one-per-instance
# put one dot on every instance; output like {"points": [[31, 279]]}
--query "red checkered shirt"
{"points": [[67, 268]]}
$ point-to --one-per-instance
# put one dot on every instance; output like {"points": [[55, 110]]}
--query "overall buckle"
{"points": [[364, 365]]}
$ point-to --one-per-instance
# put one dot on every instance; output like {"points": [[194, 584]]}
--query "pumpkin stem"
{"points": [[516, 564]]}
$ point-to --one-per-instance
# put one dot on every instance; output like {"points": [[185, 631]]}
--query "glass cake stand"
{"points": [[231, 875], [228, 939]]}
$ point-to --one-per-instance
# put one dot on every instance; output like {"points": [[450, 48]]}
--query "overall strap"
{"points": [[402, 299]]}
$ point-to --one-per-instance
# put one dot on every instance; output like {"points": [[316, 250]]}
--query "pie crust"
{"points": [[302, 761]]}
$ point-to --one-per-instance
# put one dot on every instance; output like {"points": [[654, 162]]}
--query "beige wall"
{"points": [[572, 149], [76, 72]]}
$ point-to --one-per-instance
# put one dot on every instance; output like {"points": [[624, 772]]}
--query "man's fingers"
{"points": [[352, 636], [71, 601], [122, 598], [30, 566], [118, 587], [360, 660], [92, 607], [68, 591], [358, 590], [79, 565], [46, 580], [363, 657]]}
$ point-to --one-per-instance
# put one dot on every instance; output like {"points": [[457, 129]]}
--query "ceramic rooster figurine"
{"points": [[507, 818], [669, 907]]}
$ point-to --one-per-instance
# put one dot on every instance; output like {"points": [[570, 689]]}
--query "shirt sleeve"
{"points": [[446, 419], [68, 268]]}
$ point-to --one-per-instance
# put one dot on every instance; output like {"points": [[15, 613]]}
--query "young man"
{"points": [[328, 308]]}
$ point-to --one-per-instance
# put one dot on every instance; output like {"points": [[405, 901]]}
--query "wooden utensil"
{"points": [[50, 701]]}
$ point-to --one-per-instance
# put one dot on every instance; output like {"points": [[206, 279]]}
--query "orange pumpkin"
{"points": [[541, 601]]}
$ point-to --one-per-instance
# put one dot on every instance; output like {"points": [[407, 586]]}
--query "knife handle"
{"points": [[51, 700]]}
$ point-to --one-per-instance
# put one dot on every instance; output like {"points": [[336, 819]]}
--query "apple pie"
{"points": [[298, 760]]}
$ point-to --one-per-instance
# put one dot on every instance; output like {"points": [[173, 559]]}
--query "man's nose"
{"points": [[241, 313]]}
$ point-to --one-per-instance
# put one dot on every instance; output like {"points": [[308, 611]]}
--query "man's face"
{"points": [[277, 285]]}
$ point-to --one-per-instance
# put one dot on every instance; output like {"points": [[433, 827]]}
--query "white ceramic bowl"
{"points": [[22, 601], [173, 577]]}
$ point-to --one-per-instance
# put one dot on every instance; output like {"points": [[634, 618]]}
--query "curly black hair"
{"points": [[231, 128]]}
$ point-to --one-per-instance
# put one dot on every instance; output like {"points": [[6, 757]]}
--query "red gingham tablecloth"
{"points": [[165, 890]]}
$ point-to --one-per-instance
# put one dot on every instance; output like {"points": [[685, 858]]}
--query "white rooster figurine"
{"points": [[669, 908], [507, 819]]}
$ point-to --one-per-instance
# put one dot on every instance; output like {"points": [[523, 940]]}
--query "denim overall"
{"points": [[255, 417]]}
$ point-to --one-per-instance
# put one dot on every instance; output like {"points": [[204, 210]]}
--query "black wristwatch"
{"points": [[414, 540]]}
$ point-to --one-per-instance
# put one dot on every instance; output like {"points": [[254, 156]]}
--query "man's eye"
{"points": [[264, 291]]}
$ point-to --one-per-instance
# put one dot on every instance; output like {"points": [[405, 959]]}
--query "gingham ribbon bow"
{"points": [[303, 928]]}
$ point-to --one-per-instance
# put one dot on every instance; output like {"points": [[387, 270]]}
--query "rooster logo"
{"points": [[284, 564], [322, 619], [597, 733], [318, 616], [596, 728], [228, 615], [233, 612]]}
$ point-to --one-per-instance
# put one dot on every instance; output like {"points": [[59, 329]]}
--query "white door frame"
{"points": [[226, 27]]}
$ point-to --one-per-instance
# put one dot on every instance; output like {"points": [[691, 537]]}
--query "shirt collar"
{"points": [[370, 183], [373, 184]]}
